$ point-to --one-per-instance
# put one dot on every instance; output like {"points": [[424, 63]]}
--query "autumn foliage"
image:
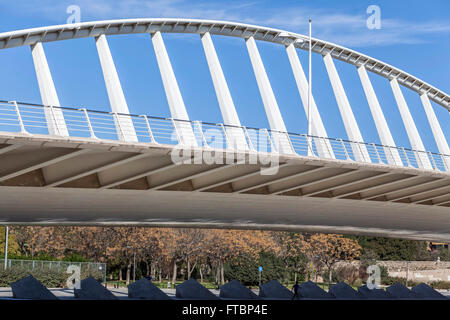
{"points": [[171, 253]]}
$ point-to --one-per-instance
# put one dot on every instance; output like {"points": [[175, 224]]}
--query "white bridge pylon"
{"points": [[119, 107], [392, 154], [324, 148], [55, 119], [236, 135]]}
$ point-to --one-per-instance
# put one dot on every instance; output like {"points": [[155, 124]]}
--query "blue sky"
{"points": [[414, 36]]}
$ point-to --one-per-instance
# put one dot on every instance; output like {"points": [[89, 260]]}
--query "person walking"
{"points": [[295, 290]]}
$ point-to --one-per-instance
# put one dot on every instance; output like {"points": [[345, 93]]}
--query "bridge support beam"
{"points": [[317, 128], [410, 126], [54, 116], [279, 132], [439, 137], [124, 124], [230, 117], [392, 155], [175, 100], [351, 126]]}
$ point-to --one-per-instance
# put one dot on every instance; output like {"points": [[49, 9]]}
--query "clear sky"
{"points": [[414, 36]]}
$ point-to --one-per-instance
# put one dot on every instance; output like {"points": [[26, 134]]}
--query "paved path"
{"points": [[122, 293]]}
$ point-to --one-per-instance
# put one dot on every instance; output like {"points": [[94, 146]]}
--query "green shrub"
{"points": [[393, 280], [358, 283], [49, 278], [75, 257], [445, 285]]}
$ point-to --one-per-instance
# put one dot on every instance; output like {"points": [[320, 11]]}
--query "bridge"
{"points": [[62, 165]]}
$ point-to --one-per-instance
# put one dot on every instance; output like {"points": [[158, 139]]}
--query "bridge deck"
{"points": [[53, 180]]}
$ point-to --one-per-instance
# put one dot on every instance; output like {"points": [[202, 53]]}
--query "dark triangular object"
{"points": [[342, 290], [424, 291], [373, 293], [91, 289], [191, 289], [310, 290], [399, 291], [30, 288], [236, 290], [145, 289], [274, 290]]}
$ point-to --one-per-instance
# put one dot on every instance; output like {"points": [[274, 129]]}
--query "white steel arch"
{"points": [[173, 25], [35, 37]]}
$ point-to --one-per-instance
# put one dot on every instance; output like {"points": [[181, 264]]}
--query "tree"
{"points": [[44, 240], [150, 250], [331, 248], [394, 249], [224, 245], [13, 246], [191, 246], [291, 250]]}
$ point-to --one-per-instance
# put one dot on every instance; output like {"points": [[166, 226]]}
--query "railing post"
{"points": [[308, 145], [363, 156], [116, 117], [54, 119], [176, 130], [227, 141], [376, 151], [272, 146], [91, 130], [290, 142], [19, 117], [444, 161], [206, 145], [152, 138], [419, 158], [432, 160], [250, 143], [345, 150], [406, 156], [392, 155], [330, 151]]}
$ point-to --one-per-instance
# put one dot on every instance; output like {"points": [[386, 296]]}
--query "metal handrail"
{"points": [[106, 125]]}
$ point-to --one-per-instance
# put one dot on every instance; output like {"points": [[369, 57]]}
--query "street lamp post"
{"points": [[260, 269], [6, 246], [134, 266], [407, 272], [309, 80]]}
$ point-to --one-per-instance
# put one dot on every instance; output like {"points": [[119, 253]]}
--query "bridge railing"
{"points": [[34, 119]]}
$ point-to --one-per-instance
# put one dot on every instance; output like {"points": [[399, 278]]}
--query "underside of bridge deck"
{"points": [[53, 180]]}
